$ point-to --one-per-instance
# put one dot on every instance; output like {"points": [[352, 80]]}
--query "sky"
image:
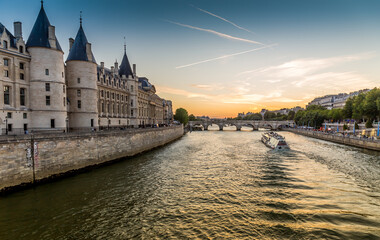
{"points": [[222, 57]]}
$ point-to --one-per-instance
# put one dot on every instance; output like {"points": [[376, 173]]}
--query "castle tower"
{"points": [[131, 79], [82, 90], [47, 79]]}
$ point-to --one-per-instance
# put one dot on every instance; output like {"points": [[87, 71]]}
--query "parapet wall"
{"points": [[58, 154], [351, 141]]}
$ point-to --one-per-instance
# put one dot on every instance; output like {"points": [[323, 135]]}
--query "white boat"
{"points": [[274, 141]]}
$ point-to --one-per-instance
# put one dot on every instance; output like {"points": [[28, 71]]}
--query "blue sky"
{"points": [[222, 57]]}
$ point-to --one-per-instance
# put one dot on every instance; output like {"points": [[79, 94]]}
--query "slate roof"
{"points": [[13, 42], [78, 50], [39, 37], [125, 67], [145, 84]]}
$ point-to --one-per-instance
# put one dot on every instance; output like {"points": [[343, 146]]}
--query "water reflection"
{"points": [[209, 185]]}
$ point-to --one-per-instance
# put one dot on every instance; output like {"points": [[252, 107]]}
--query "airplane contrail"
{"points": [[224, 56], [221, 18], [216, 33]]}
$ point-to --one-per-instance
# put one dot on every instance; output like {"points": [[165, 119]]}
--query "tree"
{"points": [[291, 115], [368, 124], [347, 110], [192, 118], [181, 115]]}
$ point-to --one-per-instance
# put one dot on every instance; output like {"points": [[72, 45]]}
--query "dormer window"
{"points": [[21, 49], [5, 44]]}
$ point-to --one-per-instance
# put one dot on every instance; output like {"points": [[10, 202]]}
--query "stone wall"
{"points": [[351, 141], [58, 154]]}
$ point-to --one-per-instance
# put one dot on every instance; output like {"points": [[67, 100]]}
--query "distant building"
{"points": [[337, 101]]}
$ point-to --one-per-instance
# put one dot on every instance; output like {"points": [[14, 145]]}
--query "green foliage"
{"points": [[291, 115], [357, 126], [368, 124], [181, 115], [192, 118], [345, 127], [255, 116], [348, 108]]}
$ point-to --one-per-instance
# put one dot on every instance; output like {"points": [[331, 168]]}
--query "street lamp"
{"points": [[6, 125], [67, 124]]}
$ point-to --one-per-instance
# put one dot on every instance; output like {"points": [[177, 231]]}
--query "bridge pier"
{"points": [[238, 128], [205, 127], [220, 127]]}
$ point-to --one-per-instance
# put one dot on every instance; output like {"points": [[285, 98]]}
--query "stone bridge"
{"points": [[254, 124]]}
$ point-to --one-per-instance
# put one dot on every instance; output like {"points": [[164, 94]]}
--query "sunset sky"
{"points": [[218, 58]]}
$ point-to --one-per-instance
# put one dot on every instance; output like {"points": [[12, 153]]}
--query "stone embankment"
{"points": [[340, 138], [28, 159]]}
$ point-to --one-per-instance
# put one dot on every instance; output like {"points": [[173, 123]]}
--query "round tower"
{"points": [[82, 89], [47, 78]]}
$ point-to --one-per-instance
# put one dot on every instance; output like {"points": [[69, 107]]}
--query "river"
{"points": [[209, 185]]}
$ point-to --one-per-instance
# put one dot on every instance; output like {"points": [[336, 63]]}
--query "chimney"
{"points": [[134, 69], [116, 66], [71, 42], [52, 40], [102, 65], [89, 52], [17, 29]]}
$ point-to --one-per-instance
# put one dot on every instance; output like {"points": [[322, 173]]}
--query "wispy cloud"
{"points": [[223, 35], [221, 18], [225, 56]]}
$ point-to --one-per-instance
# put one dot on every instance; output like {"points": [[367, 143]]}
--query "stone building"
{"points": [[337, 101], [39, 92]]}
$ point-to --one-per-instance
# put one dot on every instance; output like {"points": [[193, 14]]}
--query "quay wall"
{"points": [[351, 141], [57, 154]]}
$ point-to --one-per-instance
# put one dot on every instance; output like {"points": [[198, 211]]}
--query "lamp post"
{"points": [[6, 125], [67, 125]]}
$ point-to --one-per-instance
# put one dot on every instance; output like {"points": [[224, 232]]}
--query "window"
{"points": [[52, 123], [79, 104], [6, 95], [21, 49], [78, 93], [9, 115], [64, 89], [132, 88], [9, 127], [47, 87], [132, 112], [6, 73], [108, 94], [131, 102], [22, 76], [47, 72], [64, 101], [47, 100], [6, 62], [5, 44], [21, 65], [92, 122], [102, 106], [22, 96], [102, 93], [25, 127], [78, 80], [113, 95], [25, 115]]}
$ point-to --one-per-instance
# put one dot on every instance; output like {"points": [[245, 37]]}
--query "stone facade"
{"points": [[39, 92], [62, 153]]}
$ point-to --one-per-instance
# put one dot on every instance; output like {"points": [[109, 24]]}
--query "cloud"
{"points": [[223, 35], [221, 18], [224, 56]]}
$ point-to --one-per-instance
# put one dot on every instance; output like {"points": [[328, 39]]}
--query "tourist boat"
{"points": [[274, 141]]}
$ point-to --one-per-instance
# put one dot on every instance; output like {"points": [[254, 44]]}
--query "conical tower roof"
{"points": [[125, 66], [78, 50], [39, 37]]}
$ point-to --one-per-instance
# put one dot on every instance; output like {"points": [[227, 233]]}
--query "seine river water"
{"points": [[209, 185]]}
